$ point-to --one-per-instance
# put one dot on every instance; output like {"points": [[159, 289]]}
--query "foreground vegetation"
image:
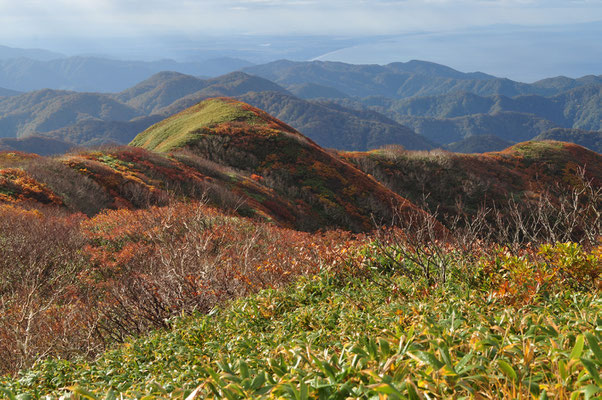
{"points": [[128, 273], [364, 329], [184, 301]]}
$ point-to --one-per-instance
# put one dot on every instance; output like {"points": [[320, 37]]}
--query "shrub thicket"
{"points": [[72, 285]]}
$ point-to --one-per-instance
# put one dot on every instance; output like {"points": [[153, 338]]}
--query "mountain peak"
{"points": [[217, 116], [327, 191]]}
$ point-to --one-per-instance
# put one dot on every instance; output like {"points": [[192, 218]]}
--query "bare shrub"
{"points": [[40, 309], [203, 165], [160, 262], [79, 193], [141, 196], [419, 249], [572, 214], [70, 285]]}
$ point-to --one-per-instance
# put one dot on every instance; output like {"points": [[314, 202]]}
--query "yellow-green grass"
{"points": [[185, 127]]}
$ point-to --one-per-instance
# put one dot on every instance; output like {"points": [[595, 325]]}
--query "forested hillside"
{"points": [[418, 105]]}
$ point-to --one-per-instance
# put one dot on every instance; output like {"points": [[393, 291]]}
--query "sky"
{"points": [[521, 39], [30, 19]]}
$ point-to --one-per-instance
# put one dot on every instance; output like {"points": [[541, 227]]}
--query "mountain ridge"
{"points": [[396, 80], [362, 123], [167, 93], [330, 191], [589, 139], [97, 74]]}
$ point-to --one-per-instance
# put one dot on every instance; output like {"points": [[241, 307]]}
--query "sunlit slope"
{"points": [[327, 191]]}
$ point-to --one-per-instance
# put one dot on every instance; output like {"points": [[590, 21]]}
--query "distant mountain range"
{"points": [[43, 146], [8, 92], [588, 139], [580, 107], [47, 110], [95, 118], [510, 126], [342, 106], [94, 74], [33, 54], [479, 144], [403, 80], [335, 126]]}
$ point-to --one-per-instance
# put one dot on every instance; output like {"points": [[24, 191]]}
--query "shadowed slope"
{"points": [[41, 145], [522, 172], [589, 139], [478, 144], [334, 126], [328, 192]]}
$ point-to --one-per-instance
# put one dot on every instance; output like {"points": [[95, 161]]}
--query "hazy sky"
{"points": [[34, 19], [520, 39]]}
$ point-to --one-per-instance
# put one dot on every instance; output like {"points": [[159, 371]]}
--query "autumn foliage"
{"points": [[72, 284], [102, 245], [455, 184]]}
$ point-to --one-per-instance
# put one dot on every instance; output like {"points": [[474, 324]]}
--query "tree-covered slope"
{"points": [[337, 127], [314, 91], [452, 116], [588, 139], [562, 83], [160, 90], [48, 110], [577, 108], [397, 80], [93, 132], [478, 144], [507, 125]]}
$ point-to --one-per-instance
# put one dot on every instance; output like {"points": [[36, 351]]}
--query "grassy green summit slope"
{"points": [[326, 191], [184, 128]]}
